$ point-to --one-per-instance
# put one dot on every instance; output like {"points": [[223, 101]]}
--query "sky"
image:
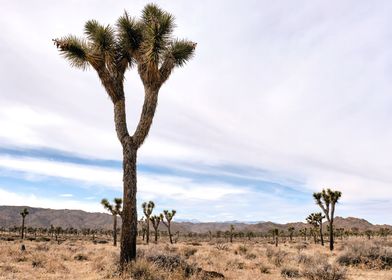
{"points": [[282, 99]]}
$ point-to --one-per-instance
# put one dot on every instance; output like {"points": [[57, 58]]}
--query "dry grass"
{"points": [[77, 259]]}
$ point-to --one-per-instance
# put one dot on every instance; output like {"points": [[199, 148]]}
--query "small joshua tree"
{"points": [[114, 210], [148, 207], [303, 232], [276, 235], [231, 233], [327, 200], [168, 216], [316, 220], [23, 213], [291, 232], [155, 220]]}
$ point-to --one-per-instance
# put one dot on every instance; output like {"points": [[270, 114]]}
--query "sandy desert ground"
{"points": [[256, 259]]}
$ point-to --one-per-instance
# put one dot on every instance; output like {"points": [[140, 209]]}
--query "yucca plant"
{"points": [[291, 233], [327, 200], [148, 44], [155, 220], [316, 220], [169, 217], [23, 213], [115, 210], [148, 207]]}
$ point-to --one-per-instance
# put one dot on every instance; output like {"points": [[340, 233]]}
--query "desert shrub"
{"points": [[143, 270], [369, 255], [42, 247], [221, 246], [168, 262], [276, 256], [324, 271], [290, 272], [80, 257], [242, 249], [37, 263], [189, 252], [250, 256], [265, 269]]}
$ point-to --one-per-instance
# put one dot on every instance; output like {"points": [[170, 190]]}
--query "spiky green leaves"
{"points": [[182, 51], [113, 209], [148, 207], [101, 38], [148, 41], [74, 50], [169, 215], [24, 212], [129, 35]]}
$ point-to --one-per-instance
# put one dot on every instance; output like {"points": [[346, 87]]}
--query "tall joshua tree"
{"points": [[327, 200], [23, 213], [148, 44], [169, 217], [114, 210], [148, 207], [155, 220]]}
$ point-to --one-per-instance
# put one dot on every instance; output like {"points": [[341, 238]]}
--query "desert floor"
{"points": [[85, 259]]}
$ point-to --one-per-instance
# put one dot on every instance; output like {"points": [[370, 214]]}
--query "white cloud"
{"points": [[299, 91], [66, 195]]}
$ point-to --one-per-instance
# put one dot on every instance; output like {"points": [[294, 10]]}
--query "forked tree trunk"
{"points": [[114, 230]]}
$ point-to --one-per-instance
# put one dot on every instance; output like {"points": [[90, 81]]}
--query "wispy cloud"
{"points": [[301, 96]]}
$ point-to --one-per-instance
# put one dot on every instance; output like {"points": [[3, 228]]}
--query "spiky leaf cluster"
{"points": [[147, 41], [114, 209], [148, 207], [24, 212]]}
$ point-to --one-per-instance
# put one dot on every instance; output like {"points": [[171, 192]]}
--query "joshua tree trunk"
{"points": [[23, 222], [148, 230], [276, 241], [321, 233], [115, 230], [331, 241], [170, 235], [129, 222], [156, 235]]}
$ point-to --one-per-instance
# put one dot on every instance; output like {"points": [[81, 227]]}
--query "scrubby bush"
{"points": [[369, 255], [276, 256], [265, 269], [324, 271], [290, 272]]}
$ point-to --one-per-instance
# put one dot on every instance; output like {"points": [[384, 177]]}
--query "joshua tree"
{"points": [[316, 220], [291, 232], [114, 210], [148, 44], [231, 233], [23, 213], [303, 232], [147, 210], [168, 216], [276, 235], [327, 200], [155, 220]]}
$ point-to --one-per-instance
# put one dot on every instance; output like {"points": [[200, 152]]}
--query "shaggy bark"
{"points": [[115, 230]]}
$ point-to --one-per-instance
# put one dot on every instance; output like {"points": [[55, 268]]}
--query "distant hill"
{"points": [[41, 217]]}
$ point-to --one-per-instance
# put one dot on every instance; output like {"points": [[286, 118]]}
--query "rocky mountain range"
{"points": [[41, 217]]}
